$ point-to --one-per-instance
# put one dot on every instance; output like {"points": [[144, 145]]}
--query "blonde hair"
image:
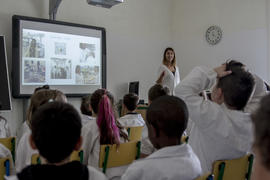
{"points": [[42, 97], [173, 63]]}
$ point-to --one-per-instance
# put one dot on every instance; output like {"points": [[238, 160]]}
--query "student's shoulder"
{"points": [[89, 126], [95, 174], [136, 170]]}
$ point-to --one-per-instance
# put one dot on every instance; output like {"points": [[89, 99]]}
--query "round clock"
{"points": [[213, 35]]}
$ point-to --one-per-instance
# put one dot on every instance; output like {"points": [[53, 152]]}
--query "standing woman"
{"points": [[168, 73]]}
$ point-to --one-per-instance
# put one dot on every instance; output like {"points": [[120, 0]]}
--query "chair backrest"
{"points": [[135, 133], [207, 176], [141, 109], [35, 159], [184, 139], [235, 169], [9, 143], [114, 156], [77, 156], [4, 167]]}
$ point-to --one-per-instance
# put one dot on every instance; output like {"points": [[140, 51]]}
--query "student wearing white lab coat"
{"points": [[86, 111], [172, 160], [221, 130], [168, 72], [56, 132], [93, 135], [24, 151], [132, 118]]}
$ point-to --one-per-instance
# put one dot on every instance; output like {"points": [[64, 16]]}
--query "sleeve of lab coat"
{"points": [[201, 111]]}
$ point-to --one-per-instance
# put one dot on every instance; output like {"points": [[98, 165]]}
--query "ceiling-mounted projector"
{"points": [[104, 3]]}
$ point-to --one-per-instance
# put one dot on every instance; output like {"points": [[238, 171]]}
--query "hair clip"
{"points": [[51, 100]]}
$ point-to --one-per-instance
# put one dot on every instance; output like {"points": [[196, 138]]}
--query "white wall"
{"points": [[245, 33], [137, 33]]}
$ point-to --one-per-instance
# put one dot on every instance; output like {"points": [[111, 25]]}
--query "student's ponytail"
{"points": [[109, 131]]}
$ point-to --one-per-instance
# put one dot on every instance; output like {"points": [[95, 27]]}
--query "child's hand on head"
{"points": [[221, 71]]}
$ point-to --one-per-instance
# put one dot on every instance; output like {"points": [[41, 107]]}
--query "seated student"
{"points": [[172, 160], [132, 118], [56, 129], [261, 146], [86, 110], [25, 126], [221, 130], [154, 92], [24, 151], [105, 130]]}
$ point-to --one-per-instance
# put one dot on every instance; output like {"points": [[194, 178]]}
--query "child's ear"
{"points": [[78, 144], [32, 143], [220, 94]]}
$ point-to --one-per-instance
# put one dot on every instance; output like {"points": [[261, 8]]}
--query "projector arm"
{"points": [[53, 7]]}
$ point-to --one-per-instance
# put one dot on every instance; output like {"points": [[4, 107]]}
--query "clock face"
{"points": [[213, 35]]}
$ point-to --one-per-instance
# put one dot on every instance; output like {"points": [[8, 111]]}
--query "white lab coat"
{"points": [[169, 80], [23, 129], [4, 152], [170, 163], [218, 132], [133, 120], [259, 91], [4, 129], [86, 119], [24, 152], [93, 175], [91, 148]]}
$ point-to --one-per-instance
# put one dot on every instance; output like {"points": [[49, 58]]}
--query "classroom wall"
{"points": [[137, 33], [245, 33]]}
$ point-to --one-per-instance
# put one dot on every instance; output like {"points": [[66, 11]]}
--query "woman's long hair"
{"points": [[110, 129], [173, 63]]}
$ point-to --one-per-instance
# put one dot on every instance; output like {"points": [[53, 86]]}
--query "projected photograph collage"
{"points": [[60, 59]]}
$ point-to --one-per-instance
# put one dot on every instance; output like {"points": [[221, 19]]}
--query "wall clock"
{"points": [[213, 35]]}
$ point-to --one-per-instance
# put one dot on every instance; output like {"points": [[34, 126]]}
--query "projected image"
{"points": [[86, 75], [60, 68], [33, 45], [87, 52], [34, 71], [60, 48]]}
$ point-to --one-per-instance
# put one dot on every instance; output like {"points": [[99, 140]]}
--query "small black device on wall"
{"points": [[5, 100]]}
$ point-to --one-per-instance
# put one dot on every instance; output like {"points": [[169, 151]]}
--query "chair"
{"points": [[114, 156], [4, 167], [184, 139], [135, 133], [141, 109], [207, 176], [9, 143], [35, 159], [235, 169], [77, 156]]}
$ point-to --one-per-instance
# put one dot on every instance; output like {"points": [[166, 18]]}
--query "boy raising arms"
{"points": [[221, 129]]}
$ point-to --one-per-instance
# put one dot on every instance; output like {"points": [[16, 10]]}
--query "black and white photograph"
{"points": [[34, 71], [60, 68]]}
